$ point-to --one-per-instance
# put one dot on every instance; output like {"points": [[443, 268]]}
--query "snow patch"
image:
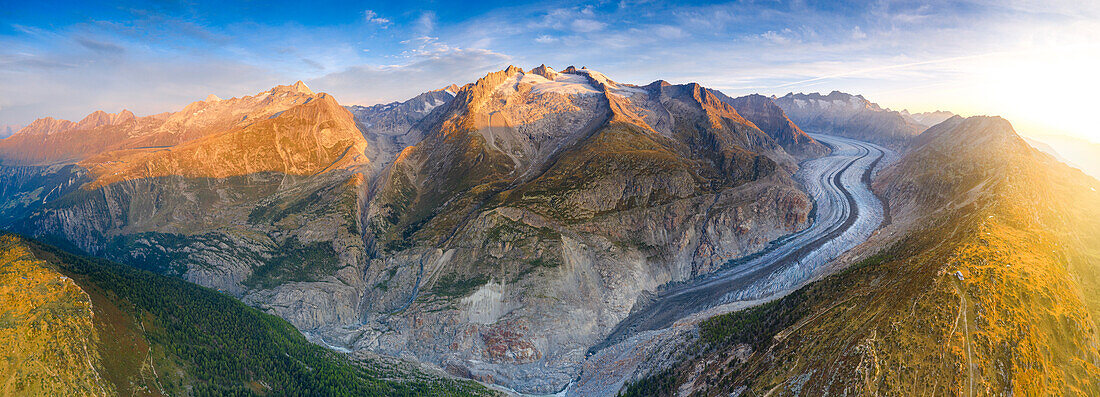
{"points": [[613, 87]]}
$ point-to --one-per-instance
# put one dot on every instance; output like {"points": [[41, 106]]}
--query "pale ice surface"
{"points": [[566, 84]]}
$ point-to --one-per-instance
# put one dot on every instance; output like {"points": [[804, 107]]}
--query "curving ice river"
{"points": [[846, 212]]}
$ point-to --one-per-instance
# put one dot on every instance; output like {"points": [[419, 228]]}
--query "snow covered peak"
{"points": [[557, 83]]}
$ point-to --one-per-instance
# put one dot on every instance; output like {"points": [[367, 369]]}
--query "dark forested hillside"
{"points": [[155, 335]]}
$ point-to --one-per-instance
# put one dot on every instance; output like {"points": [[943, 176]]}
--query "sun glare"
{"points": [[1054, 88]]}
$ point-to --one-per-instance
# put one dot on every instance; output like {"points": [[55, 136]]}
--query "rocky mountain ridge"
{"points": [[771, 119], [851, 116], [51, 141], [496, 230], [928, 119]]}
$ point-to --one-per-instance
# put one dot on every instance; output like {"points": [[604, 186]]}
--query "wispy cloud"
{"points": [[100, 46], [369, 84], [544, 39], [873, 70], [373, 18], [587, 25]]}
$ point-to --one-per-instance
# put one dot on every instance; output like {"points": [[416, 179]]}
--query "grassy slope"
{"points": [[161, 335], [995, 292], [46, 325]]}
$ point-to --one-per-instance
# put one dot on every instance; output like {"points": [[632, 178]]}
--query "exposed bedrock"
{"points": [[530, 329]]}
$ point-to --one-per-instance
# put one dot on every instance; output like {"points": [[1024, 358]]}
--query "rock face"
{"points": [[851, 116], [771, 119], [985, 280], [497, 229]]}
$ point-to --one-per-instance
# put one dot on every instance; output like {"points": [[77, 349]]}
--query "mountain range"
{"points": [[851, 116], [499, 230]]}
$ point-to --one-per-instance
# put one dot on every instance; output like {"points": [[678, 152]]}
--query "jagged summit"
{"points": [[771, 119], [545, 71], [101, 118], [849, 115], [928, 119], [298, 87], [98, 118], [51, 140]]}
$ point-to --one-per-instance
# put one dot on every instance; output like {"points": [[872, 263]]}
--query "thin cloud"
{"points": [[425, 24], [868, 71], [370, 84], [372, 17], [669, 32], [100, 46], [587, 25], [857, 33]]}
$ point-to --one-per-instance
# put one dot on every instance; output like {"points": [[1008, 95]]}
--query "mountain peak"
{"points": [[545, 71], [47, 125], [453, 88], [101, 118], [212, 98], [298, 87], [511, 69]]}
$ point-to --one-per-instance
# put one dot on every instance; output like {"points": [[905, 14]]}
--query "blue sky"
{"points": [[1031, 61]]}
